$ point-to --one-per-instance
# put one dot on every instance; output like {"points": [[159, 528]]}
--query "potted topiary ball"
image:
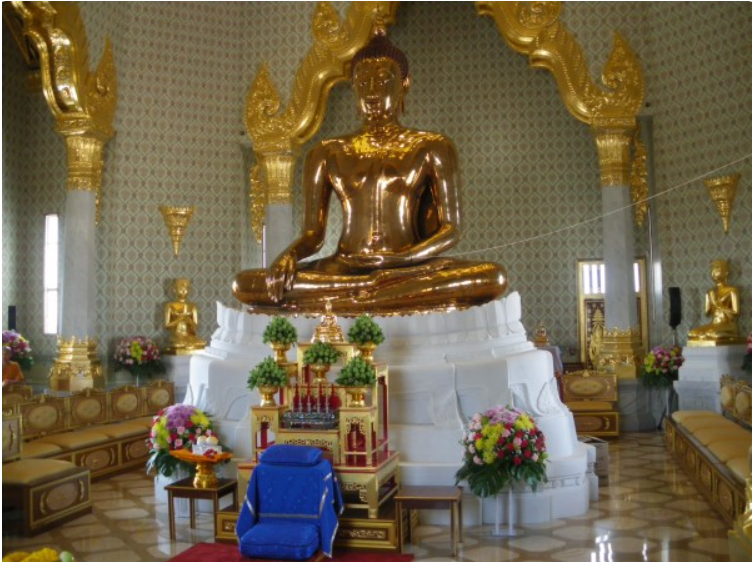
{"points": [[357, 377], [366, 334], [280, 334], [268, 376], [319, 356]]}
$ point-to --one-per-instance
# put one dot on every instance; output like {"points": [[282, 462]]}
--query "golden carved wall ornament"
{"points": [[533, 29], [257, 202], [278, 134], [53, 40], [722, 190], [639, 186], [176, 220]]}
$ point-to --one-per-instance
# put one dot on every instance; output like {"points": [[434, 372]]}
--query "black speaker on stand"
{"points": [[675, 311], [12, 317]]}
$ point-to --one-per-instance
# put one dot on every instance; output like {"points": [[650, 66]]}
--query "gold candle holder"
{"points": [[176, 219], [722, 190]]}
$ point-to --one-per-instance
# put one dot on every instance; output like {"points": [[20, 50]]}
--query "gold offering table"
{"points": [[354, 438]]}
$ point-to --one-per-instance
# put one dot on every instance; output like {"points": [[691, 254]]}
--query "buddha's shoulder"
{"points": [[413, 136]]}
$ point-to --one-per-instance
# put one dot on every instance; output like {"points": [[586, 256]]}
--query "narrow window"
{"points": [[52, 237]]}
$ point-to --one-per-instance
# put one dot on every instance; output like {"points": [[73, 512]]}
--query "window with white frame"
{"points": [[51, 290]]}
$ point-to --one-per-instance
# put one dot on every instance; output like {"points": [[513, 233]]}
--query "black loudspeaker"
{"points": [[12, 317], [675, 306]]}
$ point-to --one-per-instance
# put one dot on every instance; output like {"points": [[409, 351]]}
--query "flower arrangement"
{"points": [[20, 349], [173, 428], [139, 356], [502, 445], [661, 366], [321, 353], [280, 330], [357, 372], [746, 365], [365, 330], [42, 555], [267, 373]]}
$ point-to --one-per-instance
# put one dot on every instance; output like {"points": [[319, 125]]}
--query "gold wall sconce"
{"points": [[176, 219], [722, 190]]}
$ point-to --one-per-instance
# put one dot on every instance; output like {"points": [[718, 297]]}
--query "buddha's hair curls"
{"points": [[380, 46]]}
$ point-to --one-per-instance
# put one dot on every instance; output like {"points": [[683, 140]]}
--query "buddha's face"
{"points": [[181, 289], [719, 271], [379, 88]]}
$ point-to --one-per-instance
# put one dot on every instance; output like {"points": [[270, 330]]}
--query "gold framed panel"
{"points": [[591, 312]]}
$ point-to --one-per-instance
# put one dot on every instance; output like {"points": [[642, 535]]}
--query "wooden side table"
{"points": [[432, 497], [185, 489]]}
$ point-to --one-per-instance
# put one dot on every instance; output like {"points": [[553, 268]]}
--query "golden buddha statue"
{"points": [[182, 320], [723, 303], [399, 191]]}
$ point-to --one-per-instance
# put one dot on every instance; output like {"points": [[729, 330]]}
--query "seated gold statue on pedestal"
{"points": [[182, 320], [723, 303], [398, 189]]}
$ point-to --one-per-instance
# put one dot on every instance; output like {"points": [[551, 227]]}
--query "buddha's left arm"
{"points": [[442, 168]]}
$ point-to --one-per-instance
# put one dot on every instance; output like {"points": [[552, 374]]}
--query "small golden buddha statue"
{"points": [[182, 320], [328, 330], [723, 303], [540, 336], [399, 191]]}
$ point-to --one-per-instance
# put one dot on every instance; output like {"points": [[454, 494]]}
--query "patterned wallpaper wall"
{"points": [[34, 185], [700, 95], [528, 167]]}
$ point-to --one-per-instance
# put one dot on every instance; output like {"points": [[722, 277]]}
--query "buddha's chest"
{"points": [[371, 176]]}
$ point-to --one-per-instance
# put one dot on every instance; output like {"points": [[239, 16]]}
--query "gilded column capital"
{"points": [[52, 39], [614, 153], [278, 173]]}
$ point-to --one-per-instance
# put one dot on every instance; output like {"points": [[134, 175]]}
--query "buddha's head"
{"points": [[379, 72], [181, 288], [719, 272]]}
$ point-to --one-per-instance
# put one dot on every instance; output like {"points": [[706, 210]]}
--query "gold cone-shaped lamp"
{"points": [[176, 219], [723, 191]]}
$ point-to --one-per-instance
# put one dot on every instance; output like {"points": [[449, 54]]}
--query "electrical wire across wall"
{"points": [[601, 217]]}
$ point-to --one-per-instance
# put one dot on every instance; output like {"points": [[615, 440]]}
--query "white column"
{"points": [[618, 252], [279, 230], [78, 276]]}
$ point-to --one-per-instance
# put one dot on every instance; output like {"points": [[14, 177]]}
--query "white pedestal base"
{"points": [[443, 369], [177, 370], [698, 384]]}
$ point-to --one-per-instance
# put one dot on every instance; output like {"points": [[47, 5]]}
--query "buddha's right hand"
{"points": [[281, 275]]}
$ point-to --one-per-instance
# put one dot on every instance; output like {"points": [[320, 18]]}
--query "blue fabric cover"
{"points": [[287, 502], [281, 540], [291, 455]]}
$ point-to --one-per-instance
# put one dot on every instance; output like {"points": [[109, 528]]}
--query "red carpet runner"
{"points": [[217, 552]]}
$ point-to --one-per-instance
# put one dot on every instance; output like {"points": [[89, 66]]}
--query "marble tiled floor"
{"points": [[649, 512]]}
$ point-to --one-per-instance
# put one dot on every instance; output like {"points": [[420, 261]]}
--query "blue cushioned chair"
{"points": [[292, 505]]}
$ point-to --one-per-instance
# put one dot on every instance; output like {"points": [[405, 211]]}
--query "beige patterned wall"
{"points": [[34, 185], [528, 167], [700, 95]]}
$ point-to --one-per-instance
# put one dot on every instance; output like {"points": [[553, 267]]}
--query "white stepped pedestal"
{"points": [[698, 384], [443, 369], [177, 371]]}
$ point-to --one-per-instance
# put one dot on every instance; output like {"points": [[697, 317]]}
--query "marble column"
{"points": [[78, 283], [279, 228], [621, 348], [77, 366]]}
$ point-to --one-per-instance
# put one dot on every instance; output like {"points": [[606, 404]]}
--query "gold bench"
{"points": [[715, 452], [48, 492]]}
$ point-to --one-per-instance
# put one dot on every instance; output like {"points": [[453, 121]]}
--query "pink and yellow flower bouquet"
{"points": [[661, 366], [175, 428], [20, 349], [502, 445], [139, 356]]}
